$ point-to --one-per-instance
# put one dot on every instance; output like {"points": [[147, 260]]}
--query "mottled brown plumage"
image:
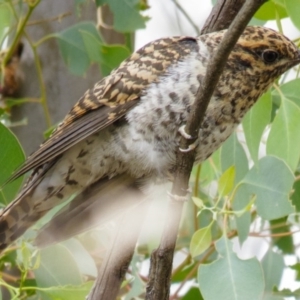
{"points": [[127, 125]]}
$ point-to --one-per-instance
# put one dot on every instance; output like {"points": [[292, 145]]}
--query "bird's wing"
{"points": [[105, 200], [111, 98]]}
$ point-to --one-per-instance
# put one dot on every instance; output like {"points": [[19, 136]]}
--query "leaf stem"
{"points": [[38, 66], [20, 30], [44, 39], [196, 192]]}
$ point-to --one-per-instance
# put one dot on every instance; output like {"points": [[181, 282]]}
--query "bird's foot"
{"points": [[177, 198], [187, 136], [182, 131]]}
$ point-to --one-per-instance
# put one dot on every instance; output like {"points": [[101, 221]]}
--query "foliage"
{"points": [[248, 188]]}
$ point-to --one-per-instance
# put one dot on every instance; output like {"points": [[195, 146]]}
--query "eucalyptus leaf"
{"points": [[254, 123], [11, 157], [192, 294], [107, 56], [270, 10], [72, 46], [69, 292], [211, 168], [291, 91], [233, 154], [230, 278], [284, 137], [226, 182], [271, 181], [293, 9], [127, 17], [273, 266], [57, 268], [201, 240]]}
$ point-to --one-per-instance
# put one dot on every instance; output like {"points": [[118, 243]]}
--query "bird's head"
{"points": [[264, 53], [258, 58], [267, 49]]}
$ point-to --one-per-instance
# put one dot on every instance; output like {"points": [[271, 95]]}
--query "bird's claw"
{"points": [[191, 147], [187, 136], [182, 131], [178, 198]]}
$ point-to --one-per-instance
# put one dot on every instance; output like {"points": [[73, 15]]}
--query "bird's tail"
{"points": [[16, 218]]}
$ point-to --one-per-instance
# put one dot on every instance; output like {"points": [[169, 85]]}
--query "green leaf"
{"points": [[271, 181], [101, 2], [210, 168], [271, 10], [226, 182], [178, 277], [293, 9], [113, 55], [72, 46], [284, 137], [11, 157], [108, 56], [273, 266], [201, 240], [255, 122], [285, 244], [296, 267], [57, 268], [192, 294], [68, 291], [83, 259], [287, 293], [243, 222], [127, 17], [296, 195], [230, 278], [198, 202], [291, 91], [233, 154], [256, 22]]}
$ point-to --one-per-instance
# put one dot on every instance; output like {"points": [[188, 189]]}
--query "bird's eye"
{"points": [[269, 56]]}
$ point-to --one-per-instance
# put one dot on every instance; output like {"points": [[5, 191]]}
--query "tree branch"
{"points": [[115, 263], [161, 259], [222, 15], [119, 253]]}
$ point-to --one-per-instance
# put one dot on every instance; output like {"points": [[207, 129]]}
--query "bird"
{"points": [[124, 132]]}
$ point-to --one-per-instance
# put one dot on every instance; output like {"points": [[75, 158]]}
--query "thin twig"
{"points": [[56, 18], [186, 15], [274, 235], [42, 85]]}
